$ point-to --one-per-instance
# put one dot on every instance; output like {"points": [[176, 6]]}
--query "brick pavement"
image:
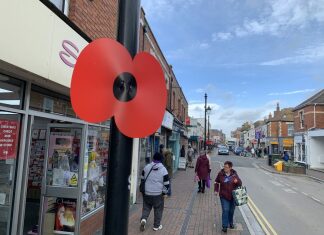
{"points": [[186, 212]]}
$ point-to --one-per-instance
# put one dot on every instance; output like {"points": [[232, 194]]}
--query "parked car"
{"points": [[223, 151], [238, 150]]}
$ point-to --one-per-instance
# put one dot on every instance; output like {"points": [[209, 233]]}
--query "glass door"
{"points": [[60, 204]]}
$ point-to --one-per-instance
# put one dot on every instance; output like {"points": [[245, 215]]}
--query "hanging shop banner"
{"points": [[8, 139], [168, 120]]}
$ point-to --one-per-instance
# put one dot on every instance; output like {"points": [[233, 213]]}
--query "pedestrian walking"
{"points": [[253, 152], [202, 171], [265, 151], [226, 181], [183, 151], [168, 163], [156, 180], [190, 155]]}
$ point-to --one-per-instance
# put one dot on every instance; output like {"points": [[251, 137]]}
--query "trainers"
{"points": [[232, 226], [158, 228], [143, 223], [224, 230]]}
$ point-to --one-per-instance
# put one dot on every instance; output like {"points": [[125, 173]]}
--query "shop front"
{"points": [[316, 149], [53, 166], [287, 145], [273, 145]]}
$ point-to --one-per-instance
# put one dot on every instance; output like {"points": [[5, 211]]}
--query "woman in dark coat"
{"points": [[226, 181], [202, 170]]}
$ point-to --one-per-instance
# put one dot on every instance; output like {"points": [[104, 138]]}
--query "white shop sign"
{"points": [[35, 39], [168, 120], [182, 163]]}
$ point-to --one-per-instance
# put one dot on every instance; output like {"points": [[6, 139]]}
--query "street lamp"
{"points": [[208, 113], [207, 109]]}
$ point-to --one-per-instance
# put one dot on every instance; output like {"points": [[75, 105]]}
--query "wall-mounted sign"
{"points": [[168, 120], [8, 139]]}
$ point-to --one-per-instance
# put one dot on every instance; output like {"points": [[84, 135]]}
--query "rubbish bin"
{"points": [[270, 160]]}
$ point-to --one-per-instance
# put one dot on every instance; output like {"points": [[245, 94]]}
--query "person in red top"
{"points": [[226, 181], [202, 170]]}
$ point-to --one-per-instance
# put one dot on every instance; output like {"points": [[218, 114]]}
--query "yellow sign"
{"points": [[74, 180], [273, 142], [288, 142]]}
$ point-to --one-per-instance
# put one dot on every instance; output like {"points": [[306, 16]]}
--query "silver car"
{"points": [[223, 151]]}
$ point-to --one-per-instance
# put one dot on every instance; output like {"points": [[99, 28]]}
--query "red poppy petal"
{"points": [[143, 115], [96, 68]]}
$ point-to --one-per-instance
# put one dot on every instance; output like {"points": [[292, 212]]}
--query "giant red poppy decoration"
{"points": [[107, 82]]}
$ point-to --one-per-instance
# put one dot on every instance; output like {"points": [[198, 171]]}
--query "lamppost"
{"points": [[206, 109], [208, 112]]}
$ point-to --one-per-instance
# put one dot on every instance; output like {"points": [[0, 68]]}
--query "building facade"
{"points": [[309, 131], [280, 131]]}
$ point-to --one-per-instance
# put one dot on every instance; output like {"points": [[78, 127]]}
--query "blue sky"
{"points": [[246, 54]]}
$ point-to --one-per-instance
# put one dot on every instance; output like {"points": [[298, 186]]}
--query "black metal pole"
{"points": [[121, 146], [208, 129], [205, 121]]}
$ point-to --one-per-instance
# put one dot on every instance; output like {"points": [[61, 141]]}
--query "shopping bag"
{"points": [[196, 179], [240, 196], [208, 182]]}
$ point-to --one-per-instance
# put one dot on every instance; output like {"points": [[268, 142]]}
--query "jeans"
{"points": [[228, 208], [157, 202], [202, 185]]}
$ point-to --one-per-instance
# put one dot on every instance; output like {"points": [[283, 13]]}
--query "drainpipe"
{"points": [[315, 115], [314, 118]]}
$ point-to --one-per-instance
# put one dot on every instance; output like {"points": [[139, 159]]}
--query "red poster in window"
{"points": [[8, 139]]}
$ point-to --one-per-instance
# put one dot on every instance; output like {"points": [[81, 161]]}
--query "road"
{"points": [[293, 205]]}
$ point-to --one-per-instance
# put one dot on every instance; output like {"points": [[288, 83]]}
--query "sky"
{"points": [[247, 55]]}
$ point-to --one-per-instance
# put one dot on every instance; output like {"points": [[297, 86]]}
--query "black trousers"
{"points": [[155, 202], [202, 185]]}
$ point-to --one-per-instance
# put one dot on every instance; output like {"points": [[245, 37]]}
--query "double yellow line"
{"points": [[265, 225]]}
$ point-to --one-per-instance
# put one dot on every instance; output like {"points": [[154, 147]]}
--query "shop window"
{"points": [[9, 142], [50, 102], [291, 129], [11, 92], [95, 169]]}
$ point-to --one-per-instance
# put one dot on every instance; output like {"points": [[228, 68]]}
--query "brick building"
{"points": [[309, 131], [173, 132], [280, 127], [35, 107]]}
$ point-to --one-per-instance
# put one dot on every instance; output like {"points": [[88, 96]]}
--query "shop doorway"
{"points": [[53, 184]]}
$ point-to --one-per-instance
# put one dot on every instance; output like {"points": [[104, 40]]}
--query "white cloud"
{"points": [[204, 45], [221, 36], [291, 92], [307, 55], [280, 16], [209, 88], [229, 118], [163, 8]]}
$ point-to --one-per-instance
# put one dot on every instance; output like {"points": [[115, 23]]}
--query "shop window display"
{"points": [[9, 137], [95, 169], [63, 157]]}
